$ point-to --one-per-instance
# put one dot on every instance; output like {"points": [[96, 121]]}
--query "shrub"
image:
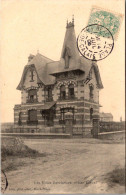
{"points": [[117, 176], [16, 147]]}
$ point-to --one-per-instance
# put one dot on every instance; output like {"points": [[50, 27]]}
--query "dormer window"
{"points": [[32, 75], [67, 57]]}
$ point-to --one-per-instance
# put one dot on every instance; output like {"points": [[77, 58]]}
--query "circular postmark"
{"points": [[95, 42], [4, 182]]}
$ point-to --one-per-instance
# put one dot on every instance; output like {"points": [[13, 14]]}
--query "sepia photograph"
{"points": [[62, 89]]}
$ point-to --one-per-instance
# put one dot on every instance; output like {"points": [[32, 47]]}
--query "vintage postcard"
{"points": [[62, 108]]}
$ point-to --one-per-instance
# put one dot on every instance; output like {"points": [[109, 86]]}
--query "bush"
{"points": [[16, 147], [117, 176]]}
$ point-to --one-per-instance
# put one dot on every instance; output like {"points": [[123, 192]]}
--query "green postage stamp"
{"points": [[108, 19]]}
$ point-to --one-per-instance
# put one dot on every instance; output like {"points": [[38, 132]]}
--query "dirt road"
{"points": [[70, 166]]}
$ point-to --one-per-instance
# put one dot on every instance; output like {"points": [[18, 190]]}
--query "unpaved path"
{"points": [[71, 166]]}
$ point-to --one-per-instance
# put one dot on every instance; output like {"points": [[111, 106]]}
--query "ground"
{"points": [[69, 166]]}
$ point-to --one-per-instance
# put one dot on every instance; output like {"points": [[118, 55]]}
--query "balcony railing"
{"points": [[62, 98], [32, 122], [32, 101], [49, 99], [70, 97]]}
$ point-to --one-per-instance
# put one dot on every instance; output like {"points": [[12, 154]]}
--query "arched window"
{"points": [[62, 92], [20, 118], [32, 95], [71, 91], [91, 113], [91, 89]]}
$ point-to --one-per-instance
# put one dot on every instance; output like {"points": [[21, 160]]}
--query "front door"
{"points": [[69, 126]]}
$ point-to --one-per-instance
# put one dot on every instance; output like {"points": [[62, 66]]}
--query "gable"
{"points": [[93, 68], [40, 63], [31, 78]]}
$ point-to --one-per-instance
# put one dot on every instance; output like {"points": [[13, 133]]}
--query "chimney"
{"points": [[31, 56]]}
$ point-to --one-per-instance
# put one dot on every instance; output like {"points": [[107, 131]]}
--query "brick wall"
{"points": [[95, 91]]}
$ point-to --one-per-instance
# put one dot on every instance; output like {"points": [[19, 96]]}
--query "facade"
{"points": [[106, 117], [59, 96]]}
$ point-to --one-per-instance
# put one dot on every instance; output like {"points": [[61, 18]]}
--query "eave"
{"points": [[67, 70]]}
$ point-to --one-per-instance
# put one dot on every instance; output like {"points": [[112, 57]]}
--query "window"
{"points": [[91, 113], [32, 95], [71, 91], [20, 118], [49, 94], [32, 115], [91, 88], [67, 57], [62, 92], [64, 111], [62, 114], [48, 116], [31, 75]]}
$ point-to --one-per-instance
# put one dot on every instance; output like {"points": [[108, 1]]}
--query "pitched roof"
{"points": [[47, 105], [105, 115], [46, 67], [40, 63], [70, 44]]}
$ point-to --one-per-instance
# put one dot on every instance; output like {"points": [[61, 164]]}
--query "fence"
{"points": [[111, 126]]}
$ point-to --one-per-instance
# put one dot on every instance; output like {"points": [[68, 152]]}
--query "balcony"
{"points": [[32, 122], [49, 99], [32, 101], [62, 98], [70, 97]]}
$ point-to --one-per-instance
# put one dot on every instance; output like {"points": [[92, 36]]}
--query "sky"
{"points": [[29, 26]]}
